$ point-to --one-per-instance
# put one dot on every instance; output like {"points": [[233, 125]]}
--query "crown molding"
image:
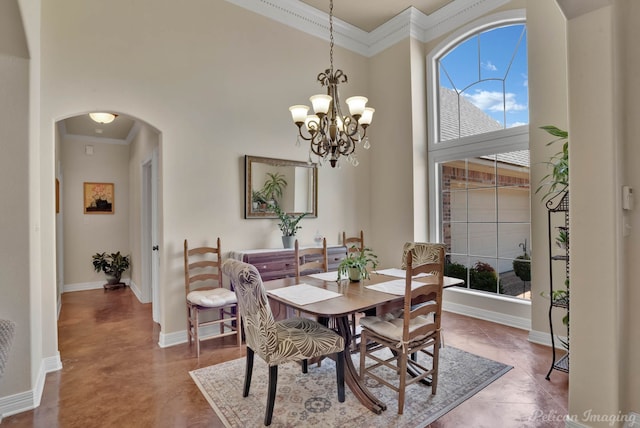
{"points": [[409, 23]]}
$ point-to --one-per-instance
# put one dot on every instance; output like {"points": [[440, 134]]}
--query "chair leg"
{"points": [[271, 395], [434, 367], [189, 324], [340, 375], [305, 366], [403, 382], [248, 372], [363, 352], [196, 335], [239, 329]]}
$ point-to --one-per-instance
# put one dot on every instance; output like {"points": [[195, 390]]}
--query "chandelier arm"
{"points": [[302, 135]]}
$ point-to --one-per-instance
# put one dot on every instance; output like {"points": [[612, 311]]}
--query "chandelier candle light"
{"points": [[332, 134]]}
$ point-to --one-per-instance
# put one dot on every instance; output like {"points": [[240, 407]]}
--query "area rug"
{"points": [[311, 399]]}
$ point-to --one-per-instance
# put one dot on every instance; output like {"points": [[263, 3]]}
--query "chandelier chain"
{"points": [[331, 34]]}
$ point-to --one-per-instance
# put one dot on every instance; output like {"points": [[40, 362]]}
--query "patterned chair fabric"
{"points": [[276, 342], [423, 253], [7, 329]]}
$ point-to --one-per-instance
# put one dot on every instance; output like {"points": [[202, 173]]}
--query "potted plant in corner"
{"points": [[354, 266], [288, 225], [113, 265]]}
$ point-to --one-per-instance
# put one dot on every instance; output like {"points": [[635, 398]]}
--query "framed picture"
{"points": [[98, 198]]}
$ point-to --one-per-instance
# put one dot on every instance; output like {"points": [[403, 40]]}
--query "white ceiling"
{"points": [[370, 14]]}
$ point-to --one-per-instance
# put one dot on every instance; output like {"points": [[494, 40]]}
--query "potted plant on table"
{"points": [[113, 265], [288, 225], [354, 266]]}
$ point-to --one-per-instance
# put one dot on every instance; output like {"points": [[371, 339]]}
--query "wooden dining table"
{"points": [[354, 297]]}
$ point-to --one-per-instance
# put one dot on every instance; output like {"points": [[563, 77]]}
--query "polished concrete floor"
{"points": [[115, 374]]}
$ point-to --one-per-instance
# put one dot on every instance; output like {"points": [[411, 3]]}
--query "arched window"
{"points": [[479, 154]]}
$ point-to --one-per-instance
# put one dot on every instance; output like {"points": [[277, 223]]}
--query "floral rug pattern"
{"points": [[310, 400]]}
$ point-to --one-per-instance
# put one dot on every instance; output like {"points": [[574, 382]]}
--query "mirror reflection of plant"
{"points": [[274, 186], [288, 222]]}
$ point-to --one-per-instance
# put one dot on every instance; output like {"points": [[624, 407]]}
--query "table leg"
{"points": [[351, 375]]}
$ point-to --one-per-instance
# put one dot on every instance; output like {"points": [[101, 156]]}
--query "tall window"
{"points": [[480, 159]]}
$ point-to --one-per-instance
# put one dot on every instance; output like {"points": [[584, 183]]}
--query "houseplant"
{"points": [[288, 225], [354, 266], [557, 181], [112, 265], [258, 200], [273, 187]]}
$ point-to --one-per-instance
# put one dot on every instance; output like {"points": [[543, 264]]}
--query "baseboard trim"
{"points": [[497, 317], [29, 400], [544, 338], [84, 286], [179, 337]]}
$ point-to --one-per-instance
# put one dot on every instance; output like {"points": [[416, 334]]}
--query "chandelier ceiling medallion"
{"points": [[330, 133]]}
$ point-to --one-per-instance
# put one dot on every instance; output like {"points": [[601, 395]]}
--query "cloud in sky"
{"points": [[514, 124], [489, 66], [492, 101]]}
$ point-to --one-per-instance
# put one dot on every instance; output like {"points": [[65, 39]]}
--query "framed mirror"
{"points": [[292, 185]]}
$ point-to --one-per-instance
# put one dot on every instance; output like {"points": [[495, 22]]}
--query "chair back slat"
{"points": [[310, 260], [202, 265], [354, 243]]}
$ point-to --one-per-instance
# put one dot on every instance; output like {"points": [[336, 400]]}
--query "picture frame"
{"points": [[99, 198]]}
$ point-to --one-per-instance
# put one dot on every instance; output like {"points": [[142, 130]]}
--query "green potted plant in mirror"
{"points": [[113, 265], [258, 200], [273, 187], [288, 225], [354, 266]]}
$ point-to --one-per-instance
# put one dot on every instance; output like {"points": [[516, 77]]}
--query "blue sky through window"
{"points": [[490, 70]]}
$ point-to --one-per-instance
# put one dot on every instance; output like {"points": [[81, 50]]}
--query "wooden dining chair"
{"points": [[412, 330], [354, 244], [278, 342], [205, 294], [311, 259]]}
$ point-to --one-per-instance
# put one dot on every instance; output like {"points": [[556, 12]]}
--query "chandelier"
{"points": [[330, 133]]}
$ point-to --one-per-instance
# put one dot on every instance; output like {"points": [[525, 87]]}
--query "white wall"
{"points": [[14, 211], [88, 234], [195, 98]]}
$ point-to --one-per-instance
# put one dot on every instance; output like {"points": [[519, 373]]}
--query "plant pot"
{"points": [[354, 275], [112, 279], [288, 241]]}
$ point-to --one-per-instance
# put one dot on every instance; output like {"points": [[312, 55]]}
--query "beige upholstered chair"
{"points": [[205, 293], [310, 260], [415, 328], [277, 342]]}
